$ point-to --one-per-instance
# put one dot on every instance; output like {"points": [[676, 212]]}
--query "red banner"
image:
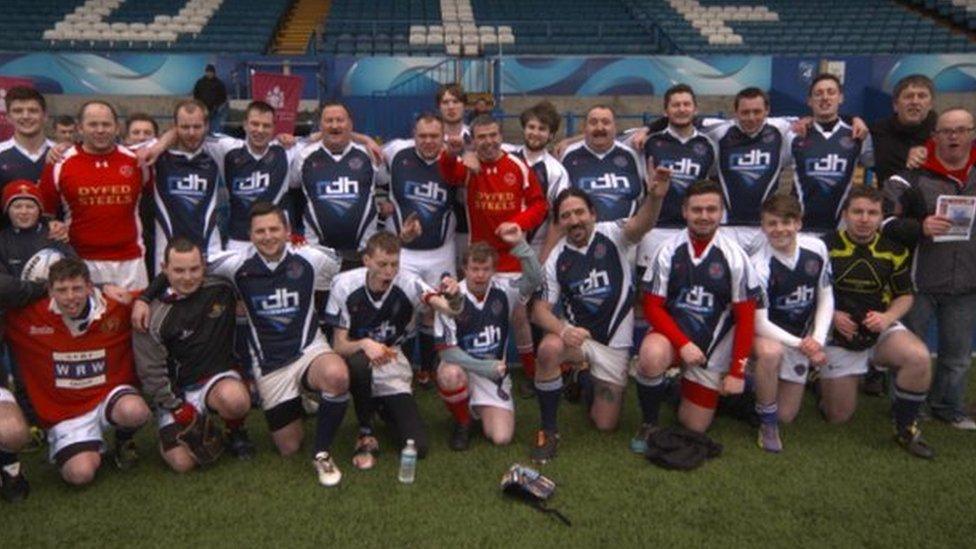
{"points": [[7, 82], [281, 91]]}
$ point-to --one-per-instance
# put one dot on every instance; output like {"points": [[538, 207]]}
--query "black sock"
{"points": [[332, 408], [8, 458], [905, 408], [361, 389], [651, 391], [428, 356], [548, 393], [585, 381], [123, 434]]}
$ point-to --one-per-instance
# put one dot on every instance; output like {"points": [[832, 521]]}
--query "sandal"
{"points": [[364, 456]]}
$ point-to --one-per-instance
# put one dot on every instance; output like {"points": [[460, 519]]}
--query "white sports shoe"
{"points": [[329, 474], [964, 423]]}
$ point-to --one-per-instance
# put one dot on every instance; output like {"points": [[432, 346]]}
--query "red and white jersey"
{"points": [[505, 190], [99, 195], [70, 365]]}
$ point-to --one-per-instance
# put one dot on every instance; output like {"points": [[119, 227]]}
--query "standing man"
{"points": [[184, 360], [909, 128], [752, 151], [186, 185], [97, 185], [700, 298], [418, 191], [826, 156], [872, 291], [943, 270], [74, 349], [450, 100], [589, 274], [688, 153], [609, 171], [22, 156], [65, 130], [140, 128], [341, 186], [211, 91]]}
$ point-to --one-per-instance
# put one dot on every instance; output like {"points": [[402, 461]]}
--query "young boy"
{"points": [[794, 270]]}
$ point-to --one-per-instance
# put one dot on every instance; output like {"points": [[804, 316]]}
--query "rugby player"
{"points": [[371, 310], [793, 324], [184, 359], [22, 156], [74, 349], [472, 374], [588, 273], [872, 291]]}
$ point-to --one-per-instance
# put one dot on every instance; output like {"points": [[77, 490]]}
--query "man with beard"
{"points": [[589, 274]]}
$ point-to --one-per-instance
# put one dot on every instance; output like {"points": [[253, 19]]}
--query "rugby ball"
{"points": [[37, 267]]}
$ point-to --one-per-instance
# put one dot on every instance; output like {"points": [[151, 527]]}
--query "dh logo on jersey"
{"points": [[251, 185], [191, 188], [796, 301], [384, 333], [751, 165], [277, 308], [605, 182], [827, 170], [485, 343], [697, 302], [430, 194], [594, 289], [684, 170], [340, 194]]}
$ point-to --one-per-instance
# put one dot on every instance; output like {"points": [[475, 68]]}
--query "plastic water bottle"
{"points": [[408, 463]]}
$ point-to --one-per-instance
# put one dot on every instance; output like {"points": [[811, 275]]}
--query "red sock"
{"points": [[233, 424], [528, 364], [457, 403]]}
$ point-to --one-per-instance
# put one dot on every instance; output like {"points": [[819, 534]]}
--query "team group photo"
{"points": [[739, 317]]}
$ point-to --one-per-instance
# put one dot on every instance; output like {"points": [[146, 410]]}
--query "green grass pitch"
{"points": [[834, 486]]}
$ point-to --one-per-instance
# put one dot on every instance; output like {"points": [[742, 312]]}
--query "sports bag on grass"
{"points": [[530, 486], [679, 448]]}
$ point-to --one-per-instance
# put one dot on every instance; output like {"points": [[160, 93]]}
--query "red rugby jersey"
{"points": [[99, 195], [69, 373], [503, 190]]}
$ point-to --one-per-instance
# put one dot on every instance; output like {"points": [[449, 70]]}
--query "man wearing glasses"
{"points": [[932, 209]]}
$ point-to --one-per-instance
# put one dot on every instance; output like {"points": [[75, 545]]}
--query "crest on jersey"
{"points": [[800, 370], [510, 179], [699, 148], [496, 307], [769, 136], [812, 267], [111, 324], [216, 309], [846, 142], [620, 161], [355, 163], [600, 250], [125, 170], [716, 270], [295, 270]]}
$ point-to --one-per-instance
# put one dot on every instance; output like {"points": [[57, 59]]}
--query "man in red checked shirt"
{"points": [[97, 185], [501, 191], [700, 295]]}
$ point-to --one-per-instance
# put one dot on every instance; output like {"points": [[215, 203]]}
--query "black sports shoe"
{"points": [[240, 445], [544, 449], [460, 437], [911, 440], [125, 454], [13, 488]]}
